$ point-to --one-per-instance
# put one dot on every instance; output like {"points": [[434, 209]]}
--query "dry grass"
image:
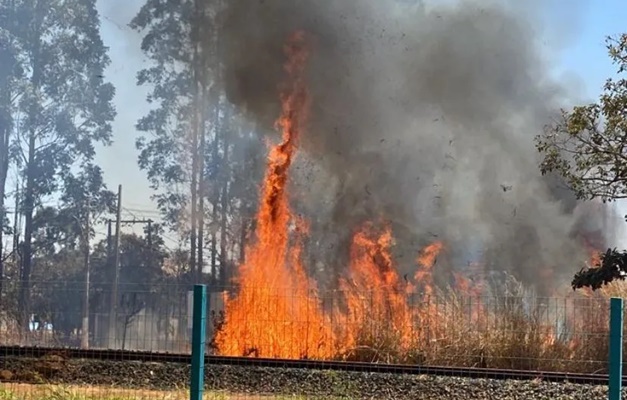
{"points": [[48, 392], [517, 332]]}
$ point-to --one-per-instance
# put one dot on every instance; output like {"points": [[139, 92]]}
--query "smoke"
{"points": [[423, 115]]}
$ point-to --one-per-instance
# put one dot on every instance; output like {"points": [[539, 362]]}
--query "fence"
{"points": [[549, 334], [148, 318]]}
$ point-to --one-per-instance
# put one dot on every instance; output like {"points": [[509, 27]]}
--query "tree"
{"points": [[58, 274], [587, 147], [10, 72], [612, 266], [170, 155], [64, 106], [185, 151], [202, 164], [57, 281], [142, 277]]}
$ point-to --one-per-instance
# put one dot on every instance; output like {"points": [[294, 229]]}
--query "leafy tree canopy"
{"points": [[587, 147], [613, 266], [164, 152]]}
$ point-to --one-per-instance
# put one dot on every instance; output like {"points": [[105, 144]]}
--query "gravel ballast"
{"points": [[321, 384]]}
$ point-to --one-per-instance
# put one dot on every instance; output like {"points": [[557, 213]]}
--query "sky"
{"points": [[586, 57], [583, 61], [119, 161]]}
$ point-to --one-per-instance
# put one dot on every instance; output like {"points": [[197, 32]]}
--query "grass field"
{"points": [[49, 392]]}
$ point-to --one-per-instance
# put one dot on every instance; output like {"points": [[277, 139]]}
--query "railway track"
{"points": [[143, 356]]}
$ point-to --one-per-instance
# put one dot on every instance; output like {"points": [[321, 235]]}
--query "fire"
{"points": [[595, 259], [473, 291], [274, 288], [277, 311], [376, 298], [289, 321], [426, 261]]}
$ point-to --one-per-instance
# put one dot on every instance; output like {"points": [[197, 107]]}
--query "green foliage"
{"points": [[587, 146], [84, 196], [64, 102], [165, 153], [141, 271], [612, 266], [58, 277], [181, 39], [60, 99], [59, 108], [55, 290], [7, 395]]}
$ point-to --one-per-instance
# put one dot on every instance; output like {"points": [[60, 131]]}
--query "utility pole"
{"points": [[149, 222], [86, 232], [113, 316], [109, 240]]}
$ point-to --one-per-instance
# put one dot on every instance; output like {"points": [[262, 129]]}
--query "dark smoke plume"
{"points": [[424, 116]]}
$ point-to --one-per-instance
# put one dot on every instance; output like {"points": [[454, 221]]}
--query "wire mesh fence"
{"points": [[146, 318], [373, 325], [382, 325]]}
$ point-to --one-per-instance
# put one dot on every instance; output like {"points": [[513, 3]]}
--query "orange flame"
{"points": [[426, 261], [374, 292], [277, 311], [285, 324]]}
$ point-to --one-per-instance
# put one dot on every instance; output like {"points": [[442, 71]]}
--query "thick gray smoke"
{"points": [[422, 115]]}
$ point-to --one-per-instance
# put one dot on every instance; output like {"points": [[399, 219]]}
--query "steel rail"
{"points": [[161, 357]]}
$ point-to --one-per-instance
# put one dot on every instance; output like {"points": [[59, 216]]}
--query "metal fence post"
{"points": [[616, 348], [199, 329]]}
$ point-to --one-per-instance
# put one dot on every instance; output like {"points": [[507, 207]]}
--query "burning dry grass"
{"points": [[376, 315], [508, 332], [49, 392], [452, 329]]}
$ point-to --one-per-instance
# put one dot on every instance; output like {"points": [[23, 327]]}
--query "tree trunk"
{"points": [[200, 112], [224, 211], [29, 205], [5, 132], [16, 222], [5, 129], [220, 142], [193, 190], [197, 201], [201, 184], [214, 242], [29, 189], [2, 217], [216, 193]]}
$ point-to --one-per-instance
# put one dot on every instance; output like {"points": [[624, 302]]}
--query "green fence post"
{"points": [[616, 348], [199, 329]]}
